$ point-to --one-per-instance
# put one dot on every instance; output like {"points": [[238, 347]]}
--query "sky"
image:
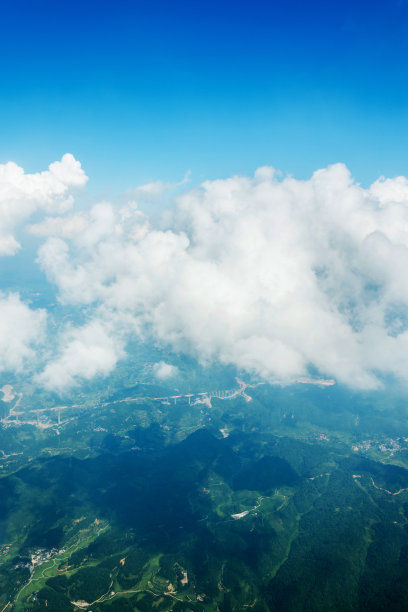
{"points": [[224, 180], [144, 91]]}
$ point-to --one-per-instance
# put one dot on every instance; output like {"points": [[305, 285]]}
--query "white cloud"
{"points": [[272, 275], [23, 194], [149, 192], [164, 371], [20, 330], [154, 191], [84, 353]]}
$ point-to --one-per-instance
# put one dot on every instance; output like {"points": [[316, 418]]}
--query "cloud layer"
{"points": [[274, 276]]}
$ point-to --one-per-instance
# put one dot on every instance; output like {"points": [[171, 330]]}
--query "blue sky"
{"points": [[140, 91]]}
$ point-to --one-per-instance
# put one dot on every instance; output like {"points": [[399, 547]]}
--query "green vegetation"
{"points": [[137, 503]]}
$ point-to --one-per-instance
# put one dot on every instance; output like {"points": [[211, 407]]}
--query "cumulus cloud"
{"points": [[164, 371], [21, 329], [23, 194], [84, 353], [272, 275]]}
